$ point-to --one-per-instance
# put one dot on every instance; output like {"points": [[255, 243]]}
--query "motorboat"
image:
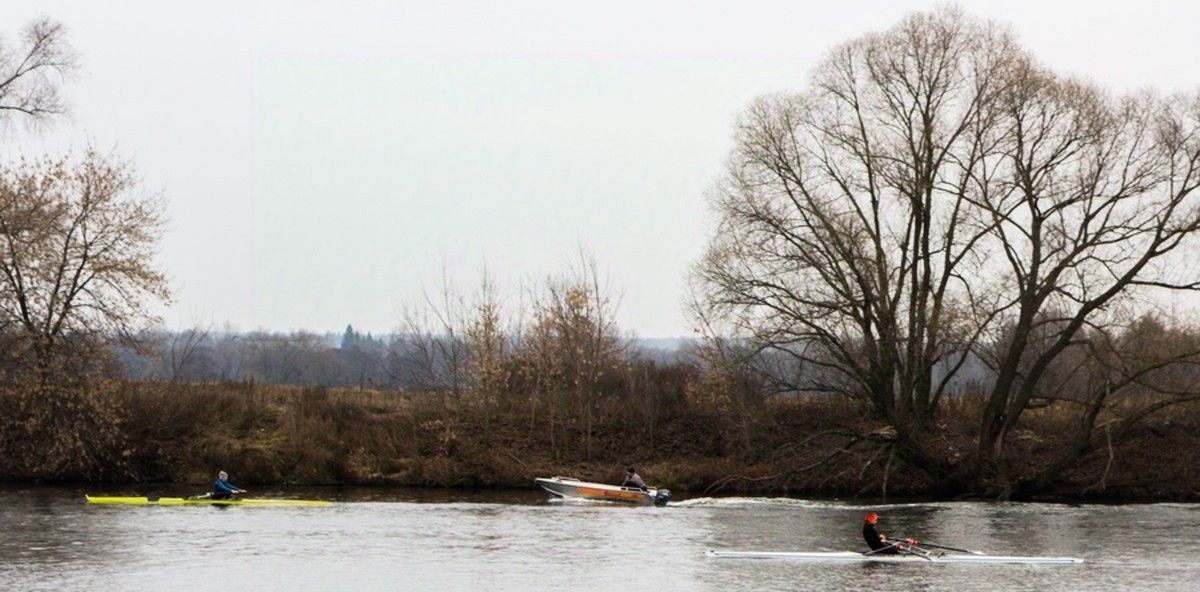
{"points": [[571, 488]]}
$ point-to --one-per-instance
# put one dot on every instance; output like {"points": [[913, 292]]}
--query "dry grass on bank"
{"points": [[273, 434]]}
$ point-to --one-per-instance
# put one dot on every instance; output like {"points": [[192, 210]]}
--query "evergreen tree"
{"points": [[350, 337]]}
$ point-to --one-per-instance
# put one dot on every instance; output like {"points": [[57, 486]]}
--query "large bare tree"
{"points": [[936, 199]]}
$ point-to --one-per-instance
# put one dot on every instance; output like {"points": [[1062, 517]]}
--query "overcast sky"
{"points": [[323, 161]]}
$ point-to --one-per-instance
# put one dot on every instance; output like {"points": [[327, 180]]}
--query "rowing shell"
{"points": [[182, 501], [848, 556]]}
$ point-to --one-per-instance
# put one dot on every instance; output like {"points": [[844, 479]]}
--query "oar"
{"points": [[936, 546]]}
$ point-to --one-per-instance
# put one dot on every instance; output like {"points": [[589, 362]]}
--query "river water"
{"points": [[400, 539]]}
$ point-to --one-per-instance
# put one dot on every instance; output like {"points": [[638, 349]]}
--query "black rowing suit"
{"points": [[875, 540]]}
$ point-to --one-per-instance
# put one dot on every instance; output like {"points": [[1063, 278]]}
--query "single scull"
{"points": [[849, 556]]}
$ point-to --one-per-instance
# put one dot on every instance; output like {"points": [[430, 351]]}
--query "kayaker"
{"points": [[222, 488], [632, 479], [880, 544]]}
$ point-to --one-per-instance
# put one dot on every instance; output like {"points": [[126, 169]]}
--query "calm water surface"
{"points": [[519, 541]]}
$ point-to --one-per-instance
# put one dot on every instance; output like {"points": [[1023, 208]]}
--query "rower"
{"points": [[632, 479], [222, 488], [880, 544]]}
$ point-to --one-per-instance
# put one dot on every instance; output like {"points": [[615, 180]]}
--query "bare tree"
{"points": [[847, 240], [32, 72], [282, 358], [573, 341], [77, 245], [1140, 367], [430, 348], [934, 195], [1097, 207], [183, 350], [229, 352], [488, 347], [732, 377]]}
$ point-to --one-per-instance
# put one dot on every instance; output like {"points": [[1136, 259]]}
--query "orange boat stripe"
{"points": [[607, 493]]}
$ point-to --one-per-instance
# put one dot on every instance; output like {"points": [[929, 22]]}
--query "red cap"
{"points": [[872, 517]]}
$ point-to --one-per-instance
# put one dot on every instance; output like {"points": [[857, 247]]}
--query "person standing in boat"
{"points": [[632, 479], [223, 489], [879, 544]]}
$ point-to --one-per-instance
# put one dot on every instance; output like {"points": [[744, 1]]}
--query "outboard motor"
{"points": [[661, 497]]}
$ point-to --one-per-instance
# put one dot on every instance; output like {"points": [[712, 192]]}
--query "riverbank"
{"points": [[272, 435]]}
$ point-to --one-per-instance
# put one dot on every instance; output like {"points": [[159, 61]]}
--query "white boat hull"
{"points": [[849, 556], [567, 487]]}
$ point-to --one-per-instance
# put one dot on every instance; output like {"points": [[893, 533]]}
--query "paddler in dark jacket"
{"points": [[222, 488], [878, 543], [632, 479]]}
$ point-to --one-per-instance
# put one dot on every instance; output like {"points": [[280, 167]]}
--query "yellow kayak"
{"points": [[201, 501]]}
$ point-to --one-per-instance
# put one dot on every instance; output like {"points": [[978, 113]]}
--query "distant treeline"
{"points": [[351, 359]]}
